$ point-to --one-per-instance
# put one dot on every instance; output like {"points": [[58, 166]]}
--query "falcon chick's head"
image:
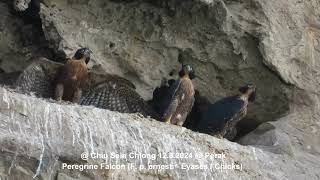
{"points": [[187, 70], [250, 90], [83, 53]]}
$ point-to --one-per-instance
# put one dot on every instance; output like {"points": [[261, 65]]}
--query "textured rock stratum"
{"points": [[20, 38], [144, 41], [12, 45], [273, 44], [37, 137]]}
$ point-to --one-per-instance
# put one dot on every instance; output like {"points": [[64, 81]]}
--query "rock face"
{"points": [[12, 49], [20, 40], [38, 138], [21, 5], [274, 44], [144, 41]]}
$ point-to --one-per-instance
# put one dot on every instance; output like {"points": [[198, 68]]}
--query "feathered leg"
{"points": [[168, 119], [169, 112], [59, 92], [182, 119], [77, 96]]}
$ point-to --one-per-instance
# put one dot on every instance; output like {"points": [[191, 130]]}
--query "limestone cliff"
{"points": [[274, 44]]}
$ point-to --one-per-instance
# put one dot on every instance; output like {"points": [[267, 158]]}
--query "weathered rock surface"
{"points": [[14, 54], [229, 42], [144, 41], [20, 40], [37, 137], [21, 5]]}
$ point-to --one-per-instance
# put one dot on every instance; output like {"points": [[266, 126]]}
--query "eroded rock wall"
{"points": [[274, 44], [145, 42], [37, 136], [21, 36], [14, 53]]}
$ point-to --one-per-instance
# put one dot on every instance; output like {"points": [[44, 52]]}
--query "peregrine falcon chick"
{"points": [[161, 97], [221, 117], [72, 77], [182, 98], [102, 90]]}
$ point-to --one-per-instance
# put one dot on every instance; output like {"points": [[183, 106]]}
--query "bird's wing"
{"points": [[219, 113], [176, 94], [161, 98], [97, 78], [101, 90], [116, 96], [191, 104], [136, 103], [38, 77], [104, 95], [9, 79], [227, 108]]}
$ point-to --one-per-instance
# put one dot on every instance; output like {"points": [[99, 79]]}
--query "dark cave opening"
{"points": [[33, 33]]}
